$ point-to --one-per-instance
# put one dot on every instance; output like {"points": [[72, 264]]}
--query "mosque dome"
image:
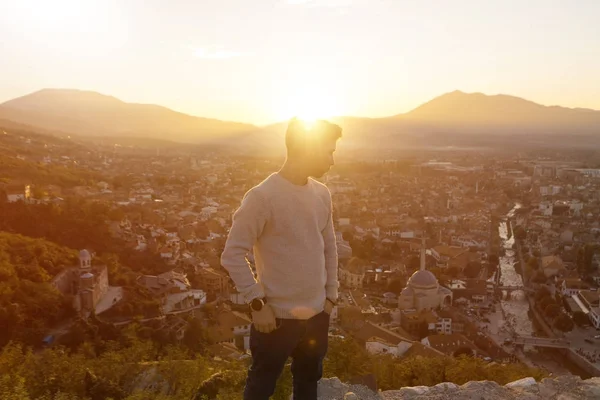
{"points": [[423, 279]]}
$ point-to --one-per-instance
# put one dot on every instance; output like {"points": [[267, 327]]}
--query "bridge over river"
{"points": [[513, 288]]}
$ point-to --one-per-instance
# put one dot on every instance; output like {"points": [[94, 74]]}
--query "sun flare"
{"points": [[308, 104]]}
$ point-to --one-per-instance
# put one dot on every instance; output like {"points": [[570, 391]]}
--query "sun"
{"points": [[307, 103]]}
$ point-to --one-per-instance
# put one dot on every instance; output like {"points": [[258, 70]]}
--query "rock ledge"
{"points": [[562, 387]]}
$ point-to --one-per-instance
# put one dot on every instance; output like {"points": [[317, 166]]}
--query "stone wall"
{"points": [[581, 362], [562, 387]]}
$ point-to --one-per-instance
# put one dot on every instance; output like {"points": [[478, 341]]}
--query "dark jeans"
{"points": [[304, 340]]}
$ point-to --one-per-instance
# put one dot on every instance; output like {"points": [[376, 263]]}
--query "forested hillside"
{"points": [[28, 303]]}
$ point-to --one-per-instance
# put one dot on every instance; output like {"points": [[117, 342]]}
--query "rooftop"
{"points": [[356, 266], [423, 280], [370, 330]]}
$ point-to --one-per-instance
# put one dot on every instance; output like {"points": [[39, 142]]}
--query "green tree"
{"points": [[585, 255], [473, 269], [453, 272], [552, 311], [580, 318], [346, 359], [541, 293], [196, 337], [116, 214], [564, 323], [539, 277], [396, 285], [28, 303], [532, 263], [413, 262], [463, 351], [546, 302]]}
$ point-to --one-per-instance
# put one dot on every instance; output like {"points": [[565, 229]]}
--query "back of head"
{"points": [[301, 137]]}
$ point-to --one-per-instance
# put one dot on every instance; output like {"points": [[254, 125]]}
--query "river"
{"points": [[514, 308], [514, 304]]}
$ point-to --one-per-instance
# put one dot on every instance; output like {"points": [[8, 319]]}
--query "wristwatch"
{"points": [[332, 302], [257, 304]]}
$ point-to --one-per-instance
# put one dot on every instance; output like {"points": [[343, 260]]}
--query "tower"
{"points": [[85, 261], [422, 268]]}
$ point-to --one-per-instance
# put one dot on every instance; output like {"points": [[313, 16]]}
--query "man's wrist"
{"points": [[257, 304], [331, 291], [333, 302]]}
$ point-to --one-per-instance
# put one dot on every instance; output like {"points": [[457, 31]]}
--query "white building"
{"points": [[444, 326], [589, 302], [183, 301], [570, 287], [343, 221], [576, 207], [377, 345], [16, 193], [546, 208], [352, 274]]}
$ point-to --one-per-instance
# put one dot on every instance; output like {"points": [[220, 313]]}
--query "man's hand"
{"points": [[328, 306], [264, 320]]}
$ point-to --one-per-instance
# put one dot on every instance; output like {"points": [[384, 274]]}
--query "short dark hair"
{"points": [[298, 136]]}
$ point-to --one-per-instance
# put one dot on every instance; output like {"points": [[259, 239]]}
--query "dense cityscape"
{"points": [[442, 253]]}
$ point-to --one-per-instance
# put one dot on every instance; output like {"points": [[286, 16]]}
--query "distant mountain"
{"points": [[500, 113], [464, 119], [90, 113], [453, 119]]}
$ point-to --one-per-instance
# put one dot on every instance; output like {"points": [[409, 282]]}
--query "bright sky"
{"points": [[261, 61]]}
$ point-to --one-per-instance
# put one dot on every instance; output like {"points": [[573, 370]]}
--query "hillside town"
{"points": [[443, 254]]}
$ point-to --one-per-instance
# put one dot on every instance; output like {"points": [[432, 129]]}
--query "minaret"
{"points": [[422, 254]]}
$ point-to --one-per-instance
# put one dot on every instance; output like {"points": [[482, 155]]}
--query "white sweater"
{"points": [[290, 228]]}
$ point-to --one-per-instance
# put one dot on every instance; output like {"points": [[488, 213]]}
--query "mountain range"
{"points": [[454, 118], [89, 113]]}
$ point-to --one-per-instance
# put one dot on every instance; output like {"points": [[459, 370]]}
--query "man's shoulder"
{"points": [[321, 187], [262, 189]]}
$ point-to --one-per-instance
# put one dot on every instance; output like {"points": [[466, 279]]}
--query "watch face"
{"points": [[256, 304]]}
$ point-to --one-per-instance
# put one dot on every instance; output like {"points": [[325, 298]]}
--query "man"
{"points": [[287, 221]]}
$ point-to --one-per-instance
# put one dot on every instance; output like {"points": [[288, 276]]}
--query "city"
{"points": [[470, 253]]}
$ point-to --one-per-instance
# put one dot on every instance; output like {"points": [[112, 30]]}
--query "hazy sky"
{"points": [[265, 60]]}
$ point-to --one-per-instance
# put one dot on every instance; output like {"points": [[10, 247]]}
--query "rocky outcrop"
{"points": [[333, 389], [559, 388]]}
